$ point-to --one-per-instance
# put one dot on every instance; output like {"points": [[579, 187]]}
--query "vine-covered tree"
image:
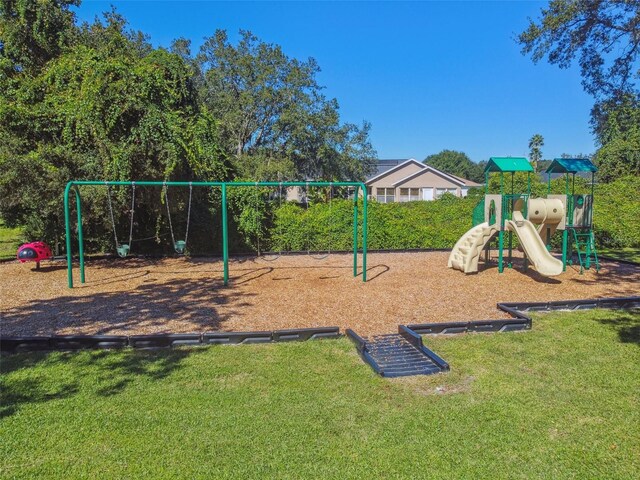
{"points": [[108, 106]]}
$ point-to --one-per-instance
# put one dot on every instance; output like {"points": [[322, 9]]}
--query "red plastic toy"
{"points": [[34, 252]]}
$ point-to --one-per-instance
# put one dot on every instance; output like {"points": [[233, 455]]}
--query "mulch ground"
{"points": [[135, 296]]}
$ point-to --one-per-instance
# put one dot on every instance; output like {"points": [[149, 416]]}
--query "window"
{"points": [[442, 191], [409, 194], [385, 195]]}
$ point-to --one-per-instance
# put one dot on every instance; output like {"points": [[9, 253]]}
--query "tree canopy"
{"points": [[98, 101], [458, 164], [603, 35], [604, 38], [275, 120]]}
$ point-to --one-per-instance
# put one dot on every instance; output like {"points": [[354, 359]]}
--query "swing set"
{"points": [[180, 246]]}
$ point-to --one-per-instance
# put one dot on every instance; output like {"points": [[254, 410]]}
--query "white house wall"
{"points": [[387, 181]]}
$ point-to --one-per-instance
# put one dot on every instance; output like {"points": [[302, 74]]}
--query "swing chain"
{"points": [[257, 200], [113, 220], [166, 202], [133, 204], [330, 213], [186, 234], [179, 246]]}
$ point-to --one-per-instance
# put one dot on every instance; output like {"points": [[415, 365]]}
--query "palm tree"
{"points": [[535, 153]]}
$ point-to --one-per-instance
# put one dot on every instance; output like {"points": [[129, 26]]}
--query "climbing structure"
{"points": [[579, 212], [533, 221]]}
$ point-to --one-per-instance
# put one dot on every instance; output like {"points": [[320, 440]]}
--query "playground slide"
{"points": [[533, 246], [467, 251]]}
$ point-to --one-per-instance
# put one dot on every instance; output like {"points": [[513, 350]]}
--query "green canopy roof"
{"points": [[508, 164], [571, 165]]}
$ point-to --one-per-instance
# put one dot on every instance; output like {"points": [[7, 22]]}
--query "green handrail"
{"points": [[225, 230]]}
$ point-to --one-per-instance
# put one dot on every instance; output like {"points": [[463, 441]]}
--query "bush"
{"points": [[439, 224], [392, 226], [616, 214]]}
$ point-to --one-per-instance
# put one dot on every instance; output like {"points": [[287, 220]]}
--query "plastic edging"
{"points": [[17, 344], [521, 320]]}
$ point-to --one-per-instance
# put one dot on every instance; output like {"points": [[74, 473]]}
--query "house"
{"points": [[408, 180]]}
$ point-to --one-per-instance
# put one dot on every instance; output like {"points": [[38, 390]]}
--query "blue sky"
{"points": [[427, 75]]}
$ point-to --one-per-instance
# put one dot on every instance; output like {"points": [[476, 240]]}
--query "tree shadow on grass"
{"points": [[626, 324], [33, 378]]}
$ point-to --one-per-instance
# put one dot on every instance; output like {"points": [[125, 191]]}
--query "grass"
{"points": [[10, 239], [560, 401], [628, 254]]}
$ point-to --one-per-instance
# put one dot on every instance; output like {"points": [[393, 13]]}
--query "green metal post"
{"points": [[80, 238], [67, 224], [355, 231], [501, 233], [565, 236], [364, 235], [225, 236], [500, 247]]}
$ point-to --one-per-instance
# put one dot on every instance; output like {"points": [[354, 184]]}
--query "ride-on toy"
{"points": [[34, 252]]}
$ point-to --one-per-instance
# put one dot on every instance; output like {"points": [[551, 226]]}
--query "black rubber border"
{"points": [[17, 344], [522, 321]]}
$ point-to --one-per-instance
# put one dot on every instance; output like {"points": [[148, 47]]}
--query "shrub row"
{"points": [[437, 224]]}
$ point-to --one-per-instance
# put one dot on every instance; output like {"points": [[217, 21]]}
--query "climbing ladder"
{"points": [[398, 355], [586, 249]]}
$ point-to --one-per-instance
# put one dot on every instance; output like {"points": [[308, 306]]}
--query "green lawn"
{"points": [[560, 401], [628, 254], [10, 239]]}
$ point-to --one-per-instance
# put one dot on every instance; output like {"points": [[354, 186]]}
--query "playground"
{"points": [[371, 293], [176, 295]]}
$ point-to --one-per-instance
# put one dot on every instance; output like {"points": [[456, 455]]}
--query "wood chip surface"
{"points": [[136, 296]]}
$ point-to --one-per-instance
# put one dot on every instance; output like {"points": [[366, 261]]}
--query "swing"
{"points": [[273, 256], [266, 258], [317, 254], [180, 246], [123, 249]]}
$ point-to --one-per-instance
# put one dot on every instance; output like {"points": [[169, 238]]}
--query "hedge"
{"points": [[437, 224]]}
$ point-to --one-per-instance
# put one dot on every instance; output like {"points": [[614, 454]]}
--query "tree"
{"points": [[32, 32], [536, 142], [619, 134], [274, 118], [456, 163], [103, 108], [604, 36]]}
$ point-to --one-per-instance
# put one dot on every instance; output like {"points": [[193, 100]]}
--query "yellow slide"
{"points": [[533, 246]]}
